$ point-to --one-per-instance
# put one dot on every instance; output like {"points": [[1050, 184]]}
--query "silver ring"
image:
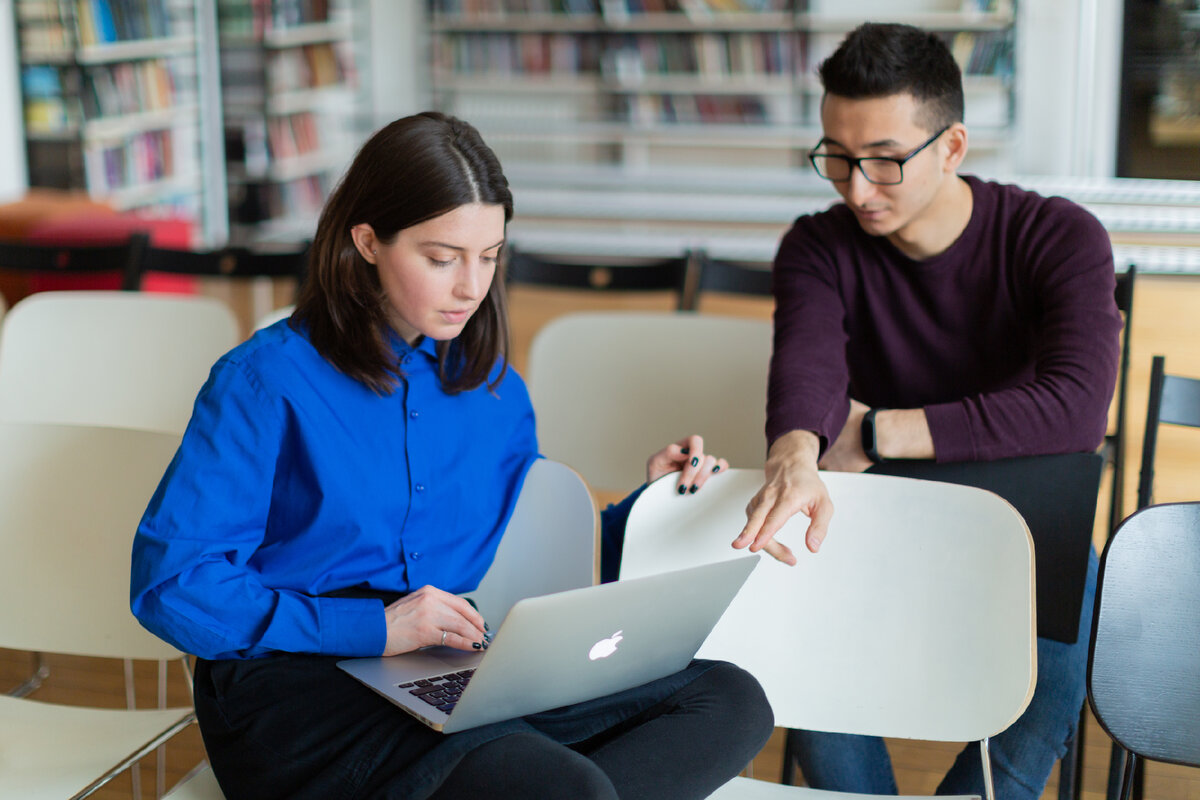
{"points": [[444, 638]]}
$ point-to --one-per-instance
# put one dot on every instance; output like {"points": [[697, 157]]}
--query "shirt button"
{"points": [[414, 556], [414, 414], [420, 487]]}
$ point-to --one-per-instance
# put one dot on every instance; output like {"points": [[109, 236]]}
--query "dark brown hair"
{"points": [[412, 170], [882, 59]]}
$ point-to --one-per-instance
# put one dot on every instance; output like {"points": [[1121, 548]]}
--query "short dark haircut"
{"points": [[410, 171], [879, 60]]}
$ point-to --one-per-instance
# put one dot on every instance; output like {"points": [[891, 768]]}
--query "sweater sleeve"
{"points": [[1067, 257], [809, 379], [193, 577]]}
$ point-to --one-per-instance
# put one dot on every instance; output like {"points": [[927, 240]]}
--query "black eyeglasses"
{"points": [[880, 170]]}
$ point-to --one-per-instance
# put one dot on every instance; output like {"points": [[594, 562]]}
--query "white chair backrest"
{"points": [[611, 388], [915, 619], [110, 358], [549, 546], [272, 317], [70, 501]]}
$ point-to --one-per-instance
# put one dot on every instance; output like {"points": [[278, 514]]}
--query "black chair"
{"points": [[1070, 786], [290, 261], [1057, 496], [1173, 400], [730, 277], [1143, 669], [126, 260], [625, 275]]}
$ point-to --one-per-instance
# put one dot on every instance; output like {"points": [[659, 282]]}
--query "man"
{"points": [[930, 316]]}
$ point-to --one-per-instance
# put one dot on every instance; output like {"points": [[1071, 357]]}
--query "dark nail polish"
{"points": [[485, 644], [693, 489], [685, 450], [717, 468], [485, 627], [695, 461], [476, 645], [682, 489]]}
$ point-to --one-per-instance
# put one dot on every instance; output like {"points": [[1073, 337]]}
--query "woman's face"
{"points": [[436, 273]]}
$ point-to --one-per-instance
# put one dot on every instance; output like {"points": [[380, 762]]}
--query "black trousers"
{"points": [[295, 726]]}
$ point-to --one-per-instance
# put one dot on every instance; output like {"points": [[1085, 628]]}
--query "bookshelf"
{"points": [[113, 97], [649, 83], [292, 109]]}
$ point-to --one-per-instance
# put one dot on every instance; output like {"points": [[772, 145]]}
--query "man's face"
{"points": [[889, 127]]}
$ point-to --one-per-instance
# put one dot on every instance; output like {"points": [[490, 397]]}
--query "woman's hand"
{"points": [[421, 618], [687, 457]]}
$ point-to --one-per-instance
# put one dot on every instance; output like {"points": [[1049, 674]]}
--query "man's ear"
{"points": [[365, 242], [954, 147]]}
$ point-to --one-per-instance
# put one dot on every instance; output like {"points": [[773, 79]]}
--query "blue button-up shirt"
{"points": [[294, 481]]}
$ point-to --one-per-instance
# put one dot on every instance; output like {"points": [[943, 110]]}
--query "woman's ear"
{"points": [[365, 242]]}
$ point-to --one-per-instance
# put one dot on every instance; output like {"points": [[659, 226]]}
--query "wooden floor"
{"points": [[1165, 321]]}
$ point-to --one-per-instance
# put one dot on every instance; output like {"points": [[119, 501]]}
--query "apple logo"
{"points": [[605, 647]]}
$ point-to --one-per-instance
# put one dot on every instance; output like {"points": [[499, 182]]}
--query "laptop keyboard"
{"points": [[441, 691]]}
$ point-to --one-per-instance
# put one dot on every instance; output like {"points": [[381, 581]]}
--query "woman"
{"points": [[346, 473]]}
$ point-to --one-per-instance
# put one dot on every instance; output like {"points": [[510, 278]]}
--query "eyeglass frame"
{"points": [[857, 162]]}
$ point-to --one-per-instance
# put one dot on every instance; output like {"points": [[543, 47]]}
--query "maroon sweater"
{"points": [[1008, 339]]}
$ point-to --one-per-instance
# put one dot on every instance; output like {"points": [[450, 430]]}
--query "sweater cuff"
{"points": [[951, 432], [612, 535], [352, 628]]}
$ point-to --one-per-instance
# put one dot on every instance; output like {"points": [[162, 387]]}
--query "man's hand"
{"points": [[846, 453], [793, 486]]}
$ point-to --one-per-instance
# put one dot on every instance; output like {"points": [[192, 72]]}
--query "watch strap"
{"points": [[870, 441]]}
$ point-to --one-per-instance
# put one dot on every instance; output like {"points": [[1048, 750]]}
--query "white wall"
{"points": [[13, 175], [399, 57]]}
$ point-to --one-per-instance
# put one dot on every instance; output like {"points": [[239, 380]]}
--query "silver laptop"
{"points": [[562, 648]]}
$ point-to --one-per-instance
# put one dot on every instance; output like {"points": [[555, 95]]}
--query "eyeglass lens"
{"points": [[877, 170]]}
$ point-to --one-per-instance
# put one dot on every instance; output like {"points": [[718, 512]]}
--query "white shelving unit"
{"points": [[602, 83], [292, 109], [113, 102]]}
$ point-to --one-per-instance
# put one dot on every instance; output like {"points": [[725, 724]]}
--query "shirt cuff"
{"points": [[951, 432], [352, 628]]}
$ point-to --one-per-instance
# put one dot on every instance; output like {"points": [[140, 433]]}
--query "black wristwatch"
{"points": [[870, 442]]}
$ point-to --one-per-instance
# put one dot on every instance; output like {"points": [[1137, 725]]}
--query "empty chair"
{"points": [[70, 498], [609, 388], [730, 277], [916, 619], [110, 358], [285, 261], [627, 275], [1143, 670], [124, 260], [270, 318], [1174, 400]]}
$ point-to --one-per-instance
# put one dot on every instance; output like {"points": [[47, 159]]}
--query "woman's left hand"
{"points": [[688, 458]]}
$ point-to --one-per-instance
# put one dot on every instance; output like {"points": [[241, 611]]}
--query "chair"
{"points": [[200, 784], [110, 358], [1174, 400], [902, 626], [550, 544], [1143, 672], [125, 260], [624, 275], [269, 319], [1114, 443], [70, 498], [610, 388], [290, 261], [729, 277]]}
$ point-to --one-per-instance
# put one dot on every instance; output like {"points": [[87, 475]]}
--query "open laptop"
{"points": [[562, 648]]}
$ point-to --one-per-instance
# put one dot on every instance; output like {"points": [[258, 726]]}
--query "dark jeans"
{"points": [[297, 727]]}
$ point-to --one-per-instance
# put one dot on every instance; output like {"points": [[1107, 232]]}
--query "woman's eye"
{"points": [[438, 263]]}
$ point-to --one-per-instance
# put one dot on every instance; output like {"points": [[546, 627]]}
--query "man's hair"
{"points": [[879, 60], [412, 170]]}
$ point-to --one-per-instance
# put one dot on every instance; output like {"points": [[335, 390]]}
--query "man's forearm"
{"points": [[903, 433]]}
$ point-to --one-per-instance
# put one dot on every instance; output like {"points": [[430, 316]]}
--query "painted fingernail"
{"points": [[682, 489], [717, 468], [685, 450], [476, 645], [695, 461], [693, 489], [485, 644], [485, 627]]}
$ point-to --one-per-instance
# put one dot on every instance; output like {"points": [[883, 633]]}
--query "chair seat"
{"points": [[749, 789], [50, 751], [200, 785]]}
